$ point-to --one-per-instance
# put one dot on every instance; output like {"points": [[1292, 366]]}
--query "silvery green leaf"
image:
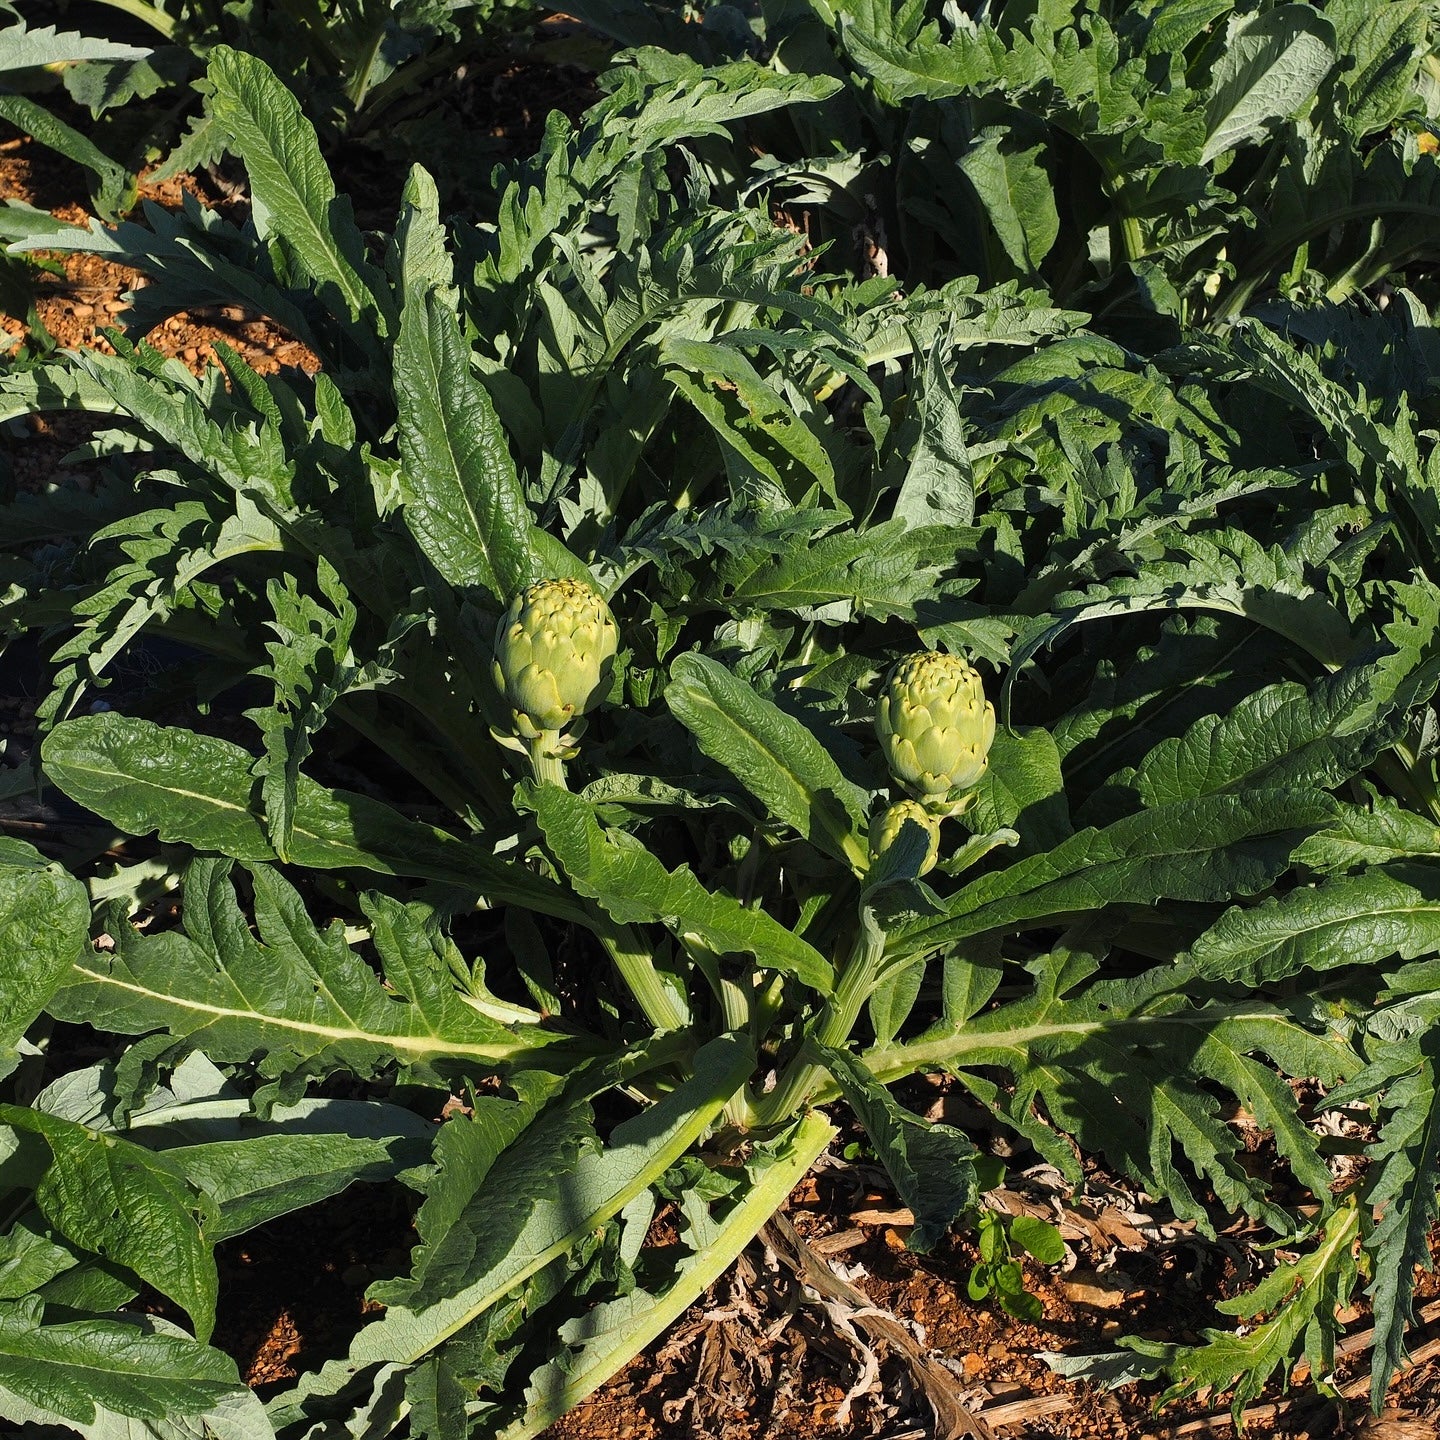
{"points": [[116, 1380], [121, 1201], [1270, 65]]}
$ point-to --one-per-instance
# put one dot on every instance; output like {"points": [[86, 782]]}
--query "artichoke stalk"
{"points": [[936, 727], [555, 651]]}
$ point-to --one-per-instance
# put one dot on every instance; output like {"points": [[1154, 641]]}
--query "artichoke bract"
{"points": [[554, 654], [935, 725], [886, 831]]}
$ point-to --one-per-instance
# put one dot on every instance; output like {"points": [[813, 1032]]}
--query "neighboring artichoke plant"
{"points": [[886, 831], [936, 727], [555, 651]]}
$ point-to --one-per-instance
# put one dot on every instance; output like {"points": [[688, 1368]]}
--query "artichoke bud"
{"points": [[554, 655], [886, 831], [935, 726]]}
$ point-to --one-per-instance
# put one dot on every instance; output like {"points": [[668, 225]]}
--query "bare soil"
{"points": [[767, 1355]]}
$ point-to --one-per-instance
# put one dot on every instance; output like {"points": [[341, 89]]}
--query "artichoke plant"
{"points": [[935, 727], [555, 651]]}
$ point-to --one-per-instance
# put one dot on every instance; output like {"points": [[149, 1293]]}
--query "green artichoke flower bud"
{"points": [[554, 654], [886, 831], [935, 725]]}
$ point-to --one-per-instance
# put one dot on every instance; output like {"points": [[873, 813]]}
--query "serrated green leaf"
{"points": [[1014, 190], [1100, 1057], [1270, 65], [129, 1205], [1387, 43], [77, 1369], [892, 1000], [115, 190], [939, 483], [885, 570], [1404, 1193], [311, 666], [1304, 1294], [1213, 848], [28, 49], [748, 413], [1023, 789], [252, 1170], [1284, 735], [295, 995], [420, 238], [930, 68], [1370, 837], [246, 459], [254, 1181], [1346, 920], [931, 1164], [293, 190], [199, 790]]}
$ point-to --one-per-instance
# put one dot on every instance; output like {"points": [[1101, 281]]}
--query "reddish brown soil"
{"points": [[695, 1383], [78, 306], [758, 1359]]}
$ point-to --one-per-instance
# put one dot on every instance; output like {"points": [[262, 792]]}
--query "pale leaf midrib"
{"points": [[407, 1044], [211, 800]]}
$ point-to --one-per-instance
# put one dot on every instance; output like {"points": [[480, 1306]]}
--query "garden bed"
{"points": [[828, 1326], [763, 1357]]}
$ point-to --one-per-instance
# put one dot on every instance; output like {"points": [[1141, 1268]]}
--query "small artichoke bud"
{"points": [[886, 831], [935, 725], [554, 654]]}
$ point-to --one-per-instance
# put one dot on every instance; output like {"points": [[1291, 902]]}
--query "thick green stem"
{"points": [[856, 982], [545, 762], [701, 1270], [155, 19], [838, 1019], [664, 1009], [1132, 237], [735, 1003]]}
